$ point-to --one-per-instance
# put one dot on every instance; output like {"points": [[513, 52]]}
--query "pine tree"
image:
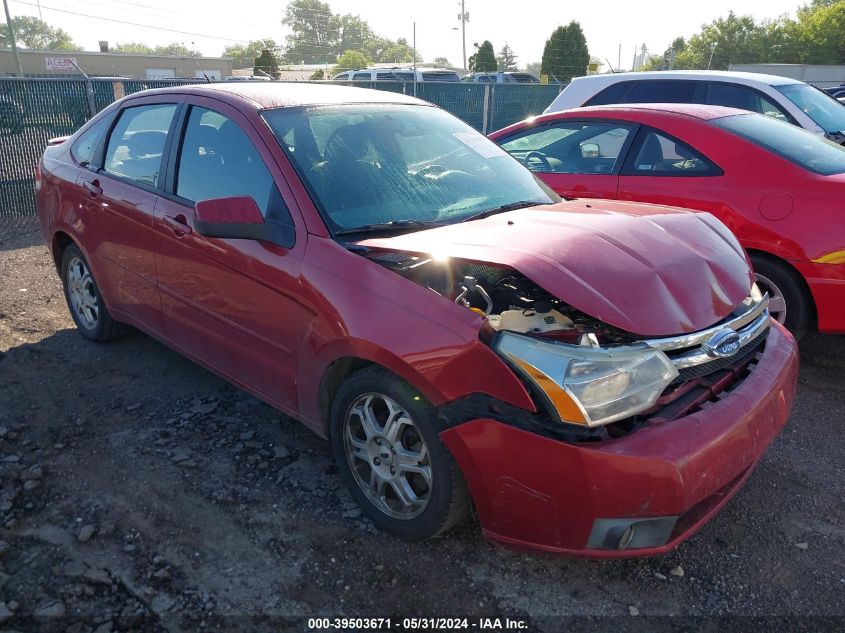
{"points": [[266, 63], [484, 60], [565, 55], [506, 59]]}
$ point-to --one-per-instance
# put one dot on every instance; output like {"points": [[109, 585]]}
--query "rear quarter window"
{"points": [[808, 151]]}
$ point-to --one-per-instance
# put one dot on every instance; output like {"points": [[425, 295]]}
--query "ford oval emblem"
{"points": [[723, 344]]}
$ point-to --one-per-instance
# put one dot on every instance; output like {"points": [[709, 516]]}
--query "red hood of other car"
{"points": [[650, 270]]}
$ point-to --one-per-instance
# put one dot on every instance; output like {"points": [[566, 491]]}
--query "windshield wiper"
{"points": [[390, 226], [510, 206]]}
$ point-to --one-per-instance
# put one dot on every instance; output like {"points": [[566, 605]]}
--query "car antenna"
{"points": [[89, 88], [196, 63], [612, 72]]}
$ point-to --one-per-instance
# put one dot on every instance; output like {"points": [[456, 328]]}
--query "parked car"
{"points": [[836, 91], [398, 74], [779, 97], [776, 186], [595, 378], [369, 74], [501, 78]]}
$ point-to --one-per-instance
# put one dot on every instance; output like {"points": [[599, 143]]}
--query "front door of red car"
{"points": [[661, 169], [577, 159], [233, 304], [120, 197]]}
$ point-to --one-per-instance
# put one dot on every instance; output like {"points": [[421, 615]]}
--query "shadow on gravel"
{"points": [[19, 232]]}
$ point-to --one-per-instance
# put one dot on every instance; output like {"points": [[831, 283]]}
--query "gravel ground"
{"points": [[141, 492]]}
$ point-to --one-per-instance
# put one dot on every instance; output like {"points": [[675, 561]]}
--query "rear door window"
{"points": [[361, 77], [136, 144], [611, 95], [662, 91]]}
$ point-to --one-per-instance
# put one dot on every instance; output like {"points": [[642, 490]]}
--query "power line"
{"points": [[127, 22]]}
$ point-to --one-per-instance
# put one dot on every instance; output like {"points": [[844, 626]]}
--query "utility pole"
{"points": [[415, 59], [712, 50], [12, 37], [464, 18]]}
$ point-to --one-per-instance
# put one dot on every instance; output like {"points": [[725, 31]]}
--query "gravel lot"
{"points": [[141, 492]]}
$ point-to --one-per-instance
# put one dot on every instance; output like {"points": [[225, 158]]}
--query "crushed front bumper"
{"points": [[533, 492]]}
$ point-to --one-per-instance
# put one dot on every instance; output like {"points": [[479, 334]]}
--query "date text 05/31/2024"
{"points": [[413, 624]]}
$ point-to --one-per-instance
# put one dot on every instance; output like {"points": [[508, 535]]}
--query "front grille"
{"points": [[718, 364]]}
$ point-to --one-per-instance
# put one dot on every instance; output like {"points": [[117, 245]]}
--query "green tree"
{"points": [[318, 75], [314, 31], [506, 60], [533, 68], [30, 32], [566, 55], [133, 47], [731, 39], [819, 34], [267, 63], [244, 56], [441, 61], [484, 59], [176, 48], [398, 52], [351, 60]]}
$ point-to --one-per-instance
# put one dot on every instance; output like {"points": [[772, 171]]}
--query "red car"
{"points": [[596, 378], [777, 187]]}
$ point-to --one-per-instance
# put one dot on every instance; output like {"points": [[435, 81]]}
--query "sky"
{"points": [[607, 24]]}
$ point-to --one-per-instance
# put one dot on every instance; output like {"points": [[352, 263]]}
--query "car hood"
{"points": [[650, 270]]}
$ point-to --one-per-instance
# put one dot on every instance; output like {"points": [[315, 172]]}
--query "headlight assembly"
{"points": [[586, 385]]}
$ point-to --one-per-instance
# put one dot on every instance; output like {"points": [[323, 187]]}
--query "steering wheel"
{"points": [[540, 157], [434, 170]]}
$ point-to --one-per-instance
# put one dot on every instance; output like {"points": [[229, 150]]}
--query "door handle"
{"points": [[178, 224], [93, 188]]}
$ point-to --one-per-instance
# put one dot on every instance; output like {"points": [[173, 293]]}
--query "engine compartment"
{"points": [[505, 298]]}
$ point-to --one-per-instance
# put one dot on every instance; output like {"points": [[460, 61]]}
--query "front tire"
{"points": [[789, 302], [85, 301], [385, 439]]}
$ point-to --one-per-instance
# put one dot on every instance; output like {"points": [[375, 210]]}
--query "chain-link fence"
{"points": [[33, 110]]}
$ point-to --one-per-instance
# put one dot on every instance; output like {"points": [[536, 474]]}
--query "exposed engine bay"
{"points": [[507, 299]]}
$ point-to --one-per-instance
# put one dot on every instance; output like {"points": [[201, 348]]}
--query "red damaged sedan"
{"points": [[595, 378], [777, 187]]}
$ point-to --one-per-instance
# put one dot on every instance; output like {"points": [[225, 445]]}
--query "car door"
{"points": [[120, 192], [662, 169], [233, 304], [576, 158]]}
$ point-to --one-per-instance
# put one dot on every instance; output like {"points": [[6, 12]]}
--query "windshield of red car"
{"points": [[378, 164], [803, 148]]}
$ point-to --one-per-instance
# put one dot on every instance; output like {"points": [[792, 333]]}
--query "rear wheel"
{"points": [[789, 302], [385, 441], [85, 301]]}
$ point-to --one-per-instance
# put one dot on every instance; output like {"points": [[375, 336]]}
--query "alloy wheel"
{"points": [[777, 304], [82, 293], [388, 456]]}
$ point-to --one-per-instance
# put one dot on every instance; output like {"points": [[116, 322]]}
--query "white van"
{"points": [[788, 99]]}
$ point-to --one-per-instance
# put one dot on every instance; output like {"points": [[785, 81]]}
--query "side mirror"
{"points": [[590, 150], [238, 217]]}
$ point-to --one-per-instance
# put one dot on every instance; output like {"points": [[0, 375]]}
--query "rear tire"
{"points": [[85, 301], [789, 302], [381, 426]]}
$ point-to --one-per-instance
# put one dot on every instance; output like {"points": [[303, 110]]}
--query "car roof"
{"points": [[264, 95], [630, 112], [694, 110], [740, 77]]}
